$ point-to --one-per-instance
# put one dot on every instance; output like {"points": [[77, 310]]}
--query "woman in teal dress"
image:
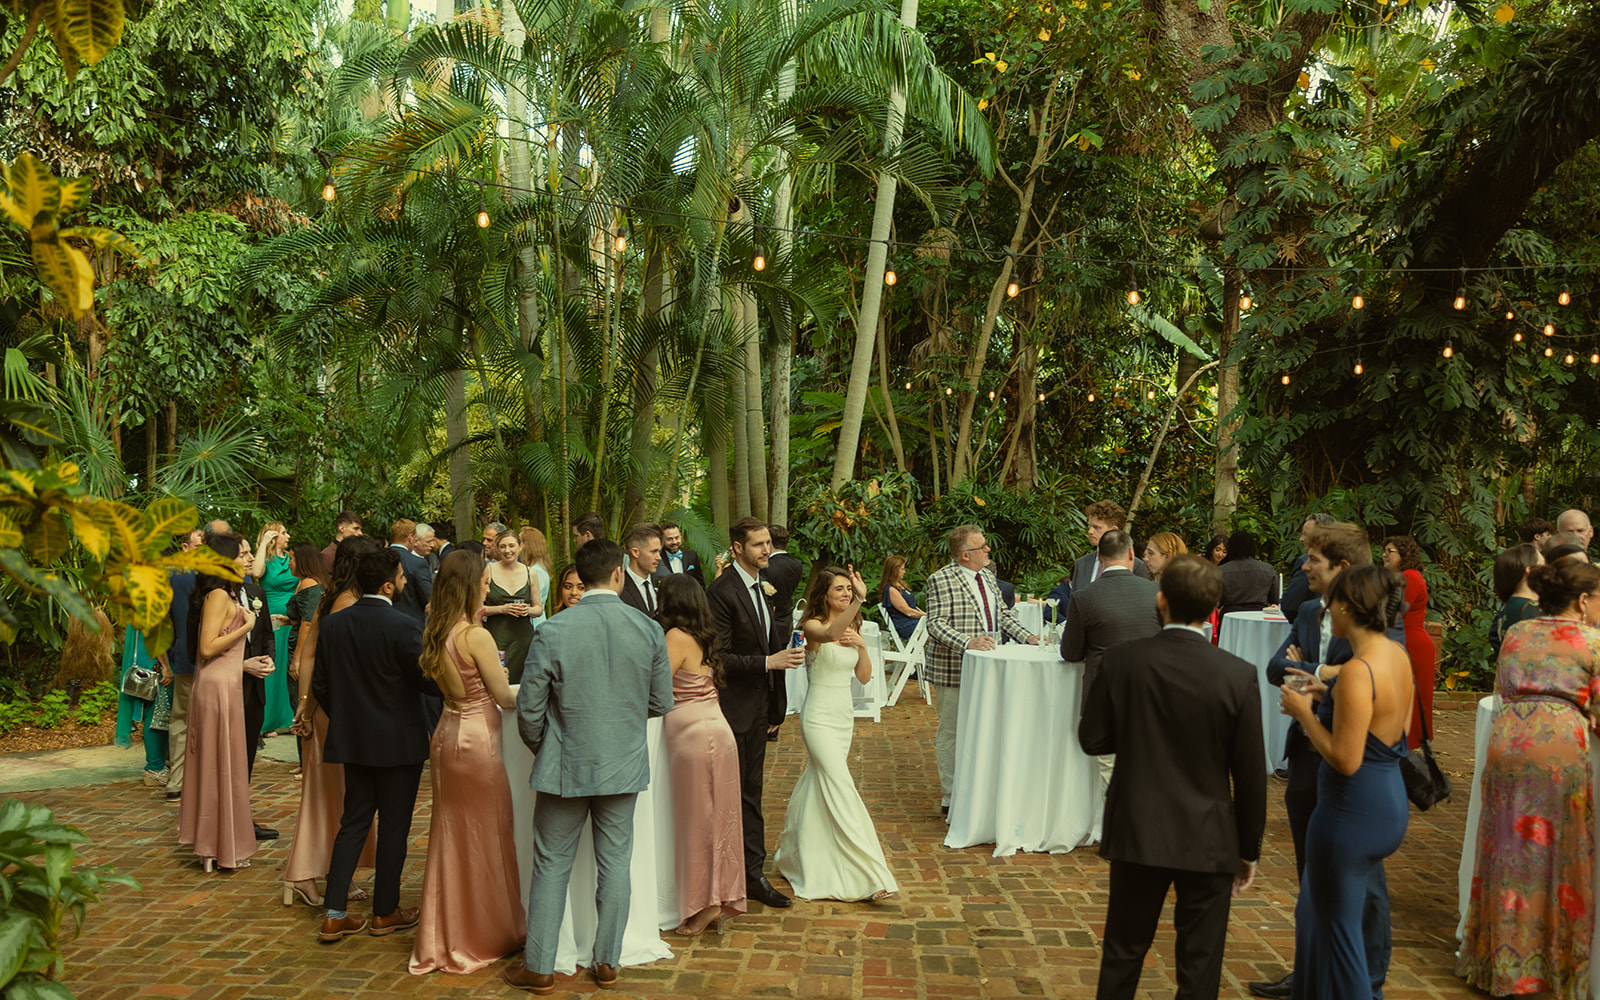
{"points": [[152, 716], [1518, 602], [279, 581], [512, 604]]}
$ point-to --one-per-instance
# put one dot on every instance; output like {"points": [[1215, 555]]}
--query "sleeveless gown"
{"points": [[829, 848], [279, 583], [512, 635], [708, 829], [215, 814], [1359, 820], [472, 912]]}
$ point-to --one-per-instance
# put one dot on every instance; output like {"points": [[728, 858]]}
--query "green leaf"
{"points": [[49, 539], [14, 934], [169, 516], [38, 989], [57, 862], [94, 526], [92, 27], [1165, 328]]}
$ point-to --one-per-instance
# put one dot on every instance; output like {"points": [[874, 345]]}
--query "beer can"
{"points": [[797, 639]]}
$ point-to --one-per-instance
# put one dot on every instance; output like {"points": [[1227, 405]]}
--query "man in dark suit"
{"points": [[753, 641], [783, 569], [413, 600], [376, 729], [259, 649], [1298, 590], [1311, 647], [1118, 607], [1188, 802], [642, 543], [677, 559], [1102, 516]]}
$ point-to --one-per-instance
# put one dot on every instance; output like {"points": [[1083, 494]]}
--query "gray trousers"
{"points": [[178, 729], [947, 702], [557, 824]]}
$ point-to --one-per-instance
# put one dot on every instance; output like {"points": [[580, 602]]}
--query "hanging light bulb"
{"points": [[1012, 290], [1549, 351], [1358, 368], [1460, 302], [1569, 358], [1091, 395], [1510, 315], [1449, 349], [991, 393], [1150, 394], [889, 277], [329, 192], [908, 386], [1357, 301], [947, 390], [760, 263], [1133, 294], [1286, 380], [1244, 302], [483, 216], [1517, 337], [1041, 397], [621, 242], [1594, 359], [1549, 329], [1565, 298]]}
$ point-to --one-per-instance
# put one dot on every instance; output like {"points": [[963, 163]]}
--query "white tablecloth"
{"points": [[1253, 637], [1021, 781], [1031, 616], [1487, 708], [652, 870], [868, 697]]}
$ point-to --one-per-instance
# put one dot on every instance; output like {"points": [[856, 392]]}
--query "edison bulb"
{"points": [[483, 217], [1569, 359], [1565, 298], [1358, 302], [1091, 395], [1517, 337], [1244, 303], [760, 263], [621, 242], [1133, 296], [1286, 380], [1358, 368], [1549, 329], [889, 277], [328, 190], [1012, 290], [1449, 350], [1461, 300]]}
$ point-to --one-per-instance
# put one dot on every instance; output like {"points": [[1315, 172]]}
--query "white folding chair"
{"points": [[908, 655]]}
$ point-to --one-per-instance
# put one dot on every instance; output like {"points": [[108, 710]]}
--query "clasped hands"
{"points": [[258, 666]]}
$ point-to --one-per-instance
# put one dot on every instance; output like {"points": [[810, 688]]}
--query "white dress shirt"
{"points": [[646, 588], [755, 595]]}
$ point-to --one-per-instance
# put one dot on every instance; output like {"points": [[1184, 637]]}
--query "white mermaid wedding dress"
{"points": [[829, 848]]}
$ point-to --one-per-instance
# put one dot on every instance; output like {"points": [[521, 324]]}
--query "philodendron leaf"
{"points": [[91, 27]]}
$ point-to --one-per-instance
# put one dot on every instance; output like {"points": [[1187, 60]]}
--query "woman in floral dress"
{"points": [[1530, 916]]}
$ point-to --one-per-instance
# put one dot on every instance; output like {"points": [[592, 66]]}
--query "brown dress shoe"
{"points": [[605, 976], [399, 920], [518, 976], [337, 930]]}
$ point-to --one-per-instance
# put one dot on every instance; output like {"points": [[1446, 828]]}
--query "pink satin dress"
{"points": [[215, 814], [472, 911], [707, 828], [321, 808]]}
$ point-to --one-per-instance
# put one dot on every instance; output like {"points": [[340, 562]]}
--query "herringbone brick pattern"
{"points": [[964, 925]]}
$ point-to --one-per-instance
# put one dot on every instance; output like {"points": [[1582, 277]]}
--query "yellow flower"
{"points": [[989, 56], [1044, 34], [1080, 4], [1132, 73], [1084, 143], [979, 501], [983, 103], [1396, 141], [1304, 81], [1427, 64], [1505, 13], [1001, 66]]}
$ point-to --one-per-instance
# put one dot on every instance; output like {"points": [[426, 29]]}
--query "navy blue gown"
{"points": [[903, 624], [1359, 820]]}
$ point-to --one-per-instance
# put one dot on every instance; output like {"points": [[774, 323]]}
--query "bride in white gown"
{"points": [[829, 848]]}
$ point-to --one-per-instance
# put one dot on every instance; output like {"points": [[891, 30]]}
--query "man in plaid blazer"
{"points": [[963, 601]]}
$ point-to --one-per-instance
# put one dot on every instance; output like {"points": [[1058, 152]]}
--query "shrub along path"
{"points": [[965, 924]]}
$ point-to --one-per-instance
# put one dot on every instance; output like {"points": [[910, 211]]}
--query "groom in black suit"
{"points": [[377, 730], [1188, 800], [753, 639]]}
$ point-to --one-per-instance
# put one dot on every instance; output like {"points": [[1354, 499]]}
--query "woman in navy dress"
{"points": [[901, 602], [1359, 728]]}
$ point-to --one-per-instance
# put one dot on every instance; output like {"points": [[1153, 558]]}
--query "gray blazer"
{"points": [[595, 674], [1119, 607], [1083, 569]]}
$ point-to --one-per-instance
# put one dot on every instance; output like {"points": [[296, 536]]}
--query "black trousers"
{"points": [[752, 744], [255, 712], [1300, 797], [391, 792], [1200, 916]]}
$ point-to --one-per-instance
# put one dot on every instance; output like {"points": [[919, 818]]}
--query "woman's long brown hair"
{"points": [[457, 594], [817, 599]]}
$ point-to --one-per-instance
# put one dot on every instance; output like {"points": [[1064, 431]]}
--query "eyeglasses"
{"points": [[977, 548]]}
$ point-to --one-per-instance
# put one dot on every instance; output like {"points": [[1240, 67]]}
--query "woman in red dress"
{"points": [[1401, 555]]}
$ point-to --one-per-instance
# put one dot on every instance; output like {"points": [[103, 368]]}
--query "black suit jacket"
{"points": [[785, 572], [1184, 719], [258, 643], [1119, 607], [752, 692], [413, 600], [1083, 569], [1296, 592], [633, 598], [368, 682], [691, 567]]}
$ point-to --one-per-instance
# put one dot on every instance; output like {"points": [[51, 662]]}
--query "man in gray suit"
{"points": [[1118, 607], [595, 675]]}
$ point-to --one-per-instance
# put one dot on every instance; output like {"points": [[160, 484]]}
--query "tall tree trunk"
{"points": [[519, 169], [152, 443], [455, 434], [1225, 499], [172, 428], [716, 452], [782, 324], [855, 400], [399, 18], [734, 404], [888, 397], [755, 430], [1024, 445]]}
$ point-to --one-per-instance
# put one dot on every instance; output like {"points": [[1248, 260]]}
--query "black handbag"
{"points": [[1426, 785]]}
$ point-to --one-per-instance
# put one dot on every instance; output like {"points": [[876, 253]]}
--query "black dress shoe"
{"points": [[1279, 990], [265, 832], [763, 892], [772, 737]]}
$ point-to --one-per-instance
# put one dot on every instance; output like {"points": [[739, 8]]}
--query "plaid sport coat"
{"points": [[955, 616]]}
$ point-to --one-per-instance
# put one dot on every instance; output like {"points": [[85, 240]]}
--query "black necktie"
{"points": [[649, 596]]}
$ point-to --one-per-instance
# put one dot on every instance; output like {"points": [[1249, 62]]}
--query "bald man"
{"points": [[1577, 522]]}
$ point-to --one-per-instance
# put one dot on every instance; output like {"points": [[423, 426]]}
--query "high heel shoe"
{"points": [[297, 890], [715, 924], [208, 865]]}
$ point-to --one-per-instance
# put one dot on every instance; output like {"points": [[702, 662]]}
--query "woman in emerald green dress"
{"points": [[279, 582]]}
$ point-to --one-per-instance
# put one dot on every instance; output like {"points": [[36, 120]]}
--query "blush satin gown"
{"points": [[321, 808], [472, 911], [829, 848], [708, 829], [215, 814]]}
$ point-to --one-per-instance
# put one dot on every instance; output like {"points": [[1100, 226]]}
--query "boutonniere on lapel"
{"points": [[768, 589], [255, 604]]}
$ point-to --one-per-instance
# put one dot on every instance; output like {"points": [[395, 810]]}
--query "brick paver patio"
{"points": [[965, 924]]}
